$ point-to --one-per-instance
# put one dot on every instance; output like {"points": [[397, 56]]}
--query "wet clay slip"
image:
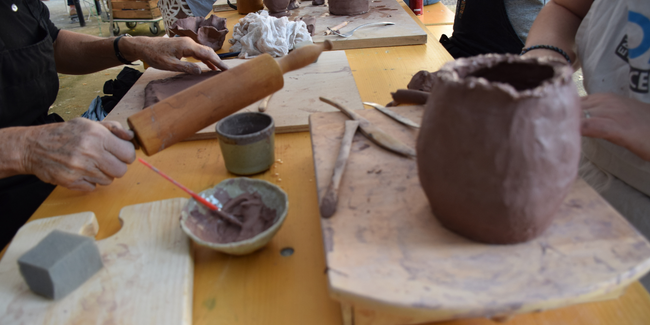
{"points": [[499, 146], [349, 7]]}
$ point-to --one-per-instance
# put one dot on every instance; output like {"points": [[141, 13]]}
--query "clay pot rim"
{"points": [[449, 73]]}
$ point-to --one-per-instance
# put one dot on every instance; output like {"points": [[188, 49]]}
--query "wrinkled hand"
{"points": [[79, 154], [620, 120], [166, 53]]}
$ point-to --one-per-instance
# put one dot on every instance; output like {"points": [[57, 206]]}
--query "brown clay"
{"points": [[293, 4], [310, 21], [247, 208], [318, 2], [409, 96], [209, 32], [423, 80], [277, 8], [499, 146], [157, 90], [349, 7]]}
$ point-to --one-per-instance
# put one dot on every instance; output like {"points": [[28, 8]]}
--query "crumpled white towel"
{"points": [[259, 33]]}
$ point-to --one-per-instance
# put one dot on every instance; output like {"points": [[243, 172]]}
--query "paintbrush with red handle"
{"points": [[197, 197]]}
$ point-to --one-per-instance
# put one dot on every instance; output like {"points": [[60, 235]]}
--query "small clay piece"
{"points": [[310, 21], [423, 81], [409, 96], [317, 2], [293, 4], [157, 90], [209, 32], [277, 8], [60, 263], [349, 7], [499, 145], [248, 208]]}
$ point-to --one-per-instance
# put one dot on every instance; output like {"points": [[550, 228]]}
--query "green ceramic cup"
{"points": [[247, 142]]}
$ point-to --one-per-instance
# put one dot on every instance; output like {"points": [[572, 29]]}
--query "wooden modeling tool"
{"points": [[399, 118], [265, 103], [183, 114], [374, 133], [197, 197], [331, 197]]}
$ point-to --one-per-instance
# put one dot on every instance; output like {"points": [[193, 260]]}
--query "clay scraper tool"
{"points": [[374, 133], [331, 198], [393, 115]]}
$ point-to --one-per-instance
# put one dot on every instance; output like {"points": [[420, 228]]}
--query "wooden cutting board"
{"points": [[406, 31], [290, 107], [147, 276], [390, 259]]}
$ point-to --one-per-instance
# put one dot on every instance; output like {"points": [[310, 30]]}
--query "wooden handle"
{"points": [[330, 199], [303, 56]]}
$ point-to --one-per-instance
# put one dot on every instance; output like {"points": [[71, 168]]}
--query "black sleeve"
{"points": [[45, 15]]}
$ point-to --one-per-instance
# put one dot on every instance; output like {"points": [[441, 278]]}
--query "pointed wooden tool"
{"points": [[331, 197], [374, 133]]}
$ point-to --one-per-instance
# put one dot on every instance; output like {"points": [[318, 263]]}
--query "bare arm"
{"points": [[78, 154], [556, 25], [77, 53]]}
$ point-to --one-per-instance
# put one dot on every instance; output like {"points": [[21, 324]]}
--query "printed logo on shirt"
{"points": [[639, 78], [621, 49]]}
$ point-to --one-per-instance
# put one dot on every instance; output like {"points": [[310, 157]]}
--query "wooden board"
{"points": [[147, 276], [390, 259], [405, 31], [290, 107], [222, 5]]}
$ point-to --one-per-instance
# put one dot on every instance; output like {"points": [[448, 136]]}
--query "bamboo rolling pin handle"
{"points": [[303, 56]]}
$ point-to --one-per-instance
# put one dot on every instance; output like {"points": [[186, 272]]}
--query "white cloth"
{"points": [[259, 33], [614, 49]]}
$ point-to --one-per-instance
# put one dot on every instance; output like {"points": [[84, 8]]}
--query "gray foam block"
{"points": [[60, 263]]}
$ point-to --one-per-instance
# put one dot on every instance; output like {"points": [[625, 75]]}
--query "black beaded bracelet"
{"points": [[118, 54], [547, 47]]}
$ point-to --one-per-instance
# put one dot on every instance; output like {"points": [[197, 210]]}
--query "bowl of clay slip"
{"points": [[260, 206]]}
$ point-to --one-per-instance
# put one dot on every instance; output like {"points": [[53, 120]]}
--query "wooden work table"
{"points": [[266, 287]]}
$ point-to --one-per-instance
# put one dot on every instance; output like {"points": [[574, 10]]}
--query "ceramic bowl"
{"points": [[272, 196]]}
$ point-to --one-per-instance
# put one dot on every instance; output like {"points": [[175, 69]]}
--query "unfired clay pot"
{"points": [[499, 146], [349, 7], [277, 8]]}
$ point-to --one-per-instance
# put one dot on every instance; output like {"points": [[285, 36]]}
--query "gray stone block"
{"points": [[60, 263]]}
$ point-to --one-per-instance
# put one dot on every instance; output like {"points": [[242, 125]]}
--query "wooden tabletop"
{"points": [[267, 287]]}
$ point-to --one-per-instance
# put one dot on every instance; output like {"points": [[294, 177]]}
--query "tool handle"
{"points": [[303, 56], [330, 199]]}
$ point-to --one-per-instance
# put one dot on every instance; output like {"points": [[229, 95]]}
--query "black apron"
{"points": [[28, 86], [481, 27]]}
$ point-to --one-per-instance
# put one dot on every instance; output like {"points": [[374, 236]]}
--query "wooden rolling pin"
{"points": [[183, 114]]}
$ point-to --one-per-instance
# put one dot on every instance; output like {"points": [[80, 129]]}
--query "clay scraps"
{"points": [[209, 32]]}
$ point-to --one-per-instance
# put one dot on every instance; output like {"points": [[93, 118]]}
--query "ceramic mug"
{"points": [[247, 142]]}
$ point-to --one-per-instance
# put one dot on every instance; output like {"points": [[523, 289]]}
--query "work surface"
{"points": [[267, 287]]}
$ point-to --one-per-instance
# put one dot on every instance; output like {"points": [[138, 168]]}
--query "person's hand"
{"points": [[620, 120], [79, 154], [166, 53]]}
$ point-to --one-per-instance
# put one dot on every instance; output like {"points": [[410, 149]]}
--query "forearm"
{"points": [[77, 53], [556, 25], [12, 149]]}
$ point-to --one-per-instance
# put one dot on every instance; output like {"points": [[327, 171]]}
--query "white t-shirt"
{"points": [[614, 49]]}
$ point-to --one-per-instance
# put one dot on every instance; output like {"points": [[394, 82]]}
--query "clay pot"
{"points": [[349, 7], [247, 6], [209, 32], [499, 146], [277, 8]]}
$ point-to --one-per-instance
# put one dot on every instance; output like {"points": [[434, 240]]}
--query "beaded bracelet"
{"points": [[547, 47]]}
